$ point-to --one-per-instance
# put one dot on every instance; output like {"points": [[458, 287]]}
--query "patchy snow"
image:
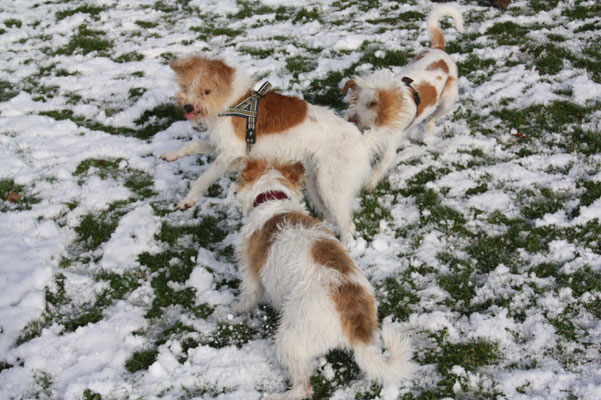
{"points": [[479, 174]]}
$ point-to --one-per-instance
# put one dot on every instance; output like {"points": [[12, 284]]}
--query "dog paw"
{"points": [[169, 156], [290, 395], [242, 307], [185, 204], [370, 186]]}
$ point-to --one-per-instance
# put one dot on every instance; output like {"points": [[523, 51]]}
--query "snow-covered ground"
{"points": [[482, 242]]}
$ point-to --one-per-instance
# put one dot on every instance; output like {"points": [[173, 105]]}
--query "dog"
{"points": [[425, 89], [324, 300], [286, 128]]}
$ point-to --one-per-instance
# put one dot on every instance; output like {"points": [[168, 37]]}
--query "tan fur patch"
{"points": [[276, 114], [205, 83], [293, 173], [260, 242], [389, 107], [440, 64], [428, 96], [253, 171], [331, 254], [437, 38], [349, 85], [357, 311], [448, 83], [420, 55]]}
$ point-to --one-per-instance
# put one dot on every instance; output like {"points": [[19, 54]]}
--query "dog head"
{"points": [[205, 85], [374, 103], [260, 176]]}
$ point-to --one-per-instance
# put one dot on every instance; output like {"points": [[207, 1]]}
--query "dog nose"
{"points": [[188, 108]]}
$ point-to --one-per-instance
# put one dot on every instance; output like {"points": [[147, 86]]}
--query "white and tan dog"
{"points": [[287, 128], [324, 299], [425, 89]]}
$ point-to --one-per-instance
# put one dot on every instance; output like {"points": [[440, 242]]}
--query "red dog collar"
{"points": [[271, 195]]}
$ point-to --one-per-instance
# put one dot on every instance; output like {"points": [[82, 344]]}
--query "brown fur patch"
{"points": [[420, 55], [437, 38], [253, 170], [260, 242], [276, 114], [331, 254], [389, 107], [448, 83], [293, 173], [196, 75], [440, 64], [357, 311], [349, 85], [428, 96]]}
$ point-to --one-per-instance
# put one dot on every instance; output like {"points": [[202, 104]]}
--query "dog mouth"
{"points": [[190, 112]]}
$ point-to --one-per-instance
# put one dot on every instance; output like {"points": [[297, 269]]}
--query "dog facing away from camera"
{"points": [[324, 300], [287, 128], [424, 90]]}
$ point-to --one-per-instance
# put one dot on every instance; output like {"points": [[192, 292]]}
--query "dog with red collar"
{"points": [[324, 299]]}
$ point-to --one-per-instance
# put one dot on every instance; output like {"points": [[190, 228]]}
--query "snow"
{"points": [[43, 152]]}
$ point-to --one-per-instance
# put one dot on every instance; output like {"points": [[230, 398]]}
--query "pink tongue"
{"points": [[190, 115]]}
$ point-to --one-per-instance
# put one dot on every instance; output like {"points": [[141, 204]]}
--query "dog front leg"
{"points": [[200, 147], [210, 176]]}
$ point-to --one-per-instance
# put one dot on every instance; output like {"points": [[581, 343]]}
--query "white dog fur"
{"points": [[384, 101], [288, 128], [324, 299]]}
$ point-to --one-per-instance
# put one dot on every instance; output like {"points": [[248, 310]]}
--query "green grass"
{"points": [[12, 23], [141, 360], [460, 276], [15, 197], [149, 123], [86, 41], [84, 9]]}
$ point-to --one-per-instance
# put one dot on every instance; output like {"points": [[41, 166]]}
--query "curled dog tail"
{"points": [[434, 29], [391, 369]]}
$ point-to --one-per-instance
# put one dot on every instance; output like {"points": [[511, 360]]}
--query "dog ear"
{"points": [[349, 85], [180, 64], [252, 171], [293, 172], [220, 71]]}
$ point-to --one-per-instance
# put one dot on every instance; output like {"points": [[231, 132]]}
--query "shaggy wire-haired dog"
{"points": [[425, 89], [287, 128], [324, 299]]}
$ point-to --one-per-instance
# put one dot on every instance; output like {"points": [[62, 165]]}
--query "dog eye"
{"points": [[208, 91], [372, 104]]}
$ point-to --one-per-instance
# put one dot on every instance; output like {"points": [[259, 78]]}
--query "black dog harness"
{"points": [[248, 109], [408, 81]]}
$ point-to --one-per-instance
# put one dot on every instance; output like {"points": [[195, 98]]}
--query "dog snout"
{"points": [[188, 108], [353, 119]]}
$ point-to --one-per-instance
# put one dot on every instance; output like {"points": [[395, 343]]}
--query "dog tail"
{"points": [[391, 369], [434, 29]]}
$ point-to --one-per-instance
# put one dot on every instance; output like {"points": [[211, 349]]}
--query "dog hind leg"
{"points": [[293, 354], [445, 105]]}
